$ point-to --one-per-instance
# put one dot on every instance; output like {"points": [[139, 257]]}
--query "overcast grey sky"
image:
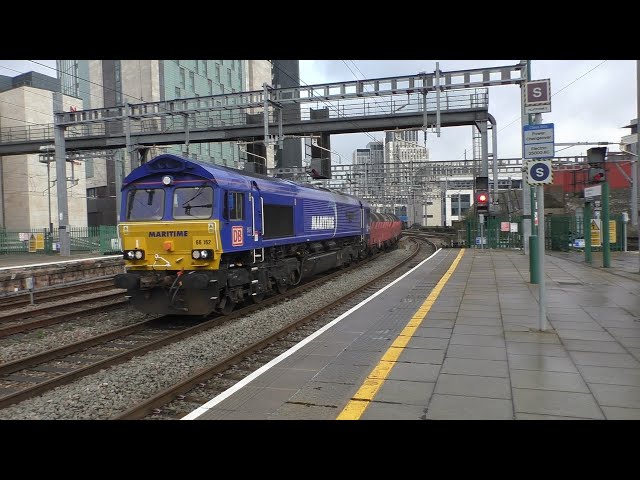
{"points": [[586, 107], [591, 100]]}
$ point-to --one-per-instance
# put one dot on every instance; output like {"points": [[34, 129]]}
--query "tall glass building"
{"points": [[107, 83]]}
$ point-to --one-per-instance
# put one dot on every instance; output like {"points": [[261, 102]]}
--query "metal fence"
{"points": [[562, 233], [566, 233], [102, 239], [499, 232]]}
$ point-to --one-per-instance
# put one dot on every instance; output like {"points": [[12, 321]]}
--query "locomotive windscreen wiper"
{"points": [[187, 208], [198, 192]]}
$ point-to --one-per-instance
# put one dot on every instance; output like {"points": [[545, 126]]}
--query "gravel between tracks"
{"points": [[109, 392]]}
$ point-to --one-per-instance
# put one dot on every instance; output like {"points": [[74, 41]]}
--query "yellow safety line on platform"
{"points": [[360, 401]]}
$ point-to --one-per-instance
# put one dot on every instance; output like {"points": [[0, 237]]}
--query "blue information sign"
{"points": [[538, 141]]}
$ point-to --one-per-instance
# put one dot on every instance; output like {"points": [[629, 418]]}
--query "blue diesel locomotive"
{"points": [[200, 238]]}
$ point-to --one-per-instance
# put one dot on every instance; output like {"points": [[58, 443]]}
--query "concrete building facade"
{"points": [[369, 169], [28, 192]]}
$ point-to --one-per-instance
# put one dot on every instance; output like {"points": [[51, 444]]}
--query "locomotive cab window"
{"points": [[145, 204], [234, 206], [193, 202]]}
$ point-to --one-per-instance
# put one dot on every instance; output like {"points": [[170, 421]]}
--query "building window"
{"points": [[217, 73], [221, 88], [192, 81], [229, 77], [197, 62], [204, 67], [182, 78], [210, 85], [177, 92], [88, 168]]}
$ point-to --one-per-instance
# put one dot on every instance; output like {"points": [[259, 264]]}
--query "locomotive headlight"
{"points": [[205, 255], [167, 180], [133, 254]]}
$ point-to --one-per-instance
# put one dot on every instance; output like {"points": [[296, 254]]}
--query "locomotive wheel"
{"points": [[281, 287], [257, 298], [226, 306]]}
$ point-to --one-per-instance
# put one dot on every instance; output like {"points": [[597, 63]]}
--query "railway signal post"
{"points": [[482, 203]]}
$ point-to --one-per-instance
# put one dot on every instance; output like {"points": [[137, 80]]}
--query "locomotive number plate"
{"points": [[202, 242]]}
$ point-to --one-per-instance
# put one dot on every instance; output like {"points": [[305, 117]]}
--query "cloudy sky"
{"points": [[591, 100]]}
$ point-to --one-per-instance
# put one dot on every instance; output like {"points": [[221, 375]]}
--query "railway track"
{"points": [[178, 400], [56, 293], [30, 319], [28, 377]]}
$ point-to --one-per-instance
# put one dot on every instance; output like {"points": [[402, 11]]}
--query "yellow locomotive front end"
{"points": [[170, 238], [171, 246]]}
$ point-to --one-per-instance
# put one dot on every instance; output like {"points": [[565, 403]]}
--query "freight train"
{"points": [[200, 238]]}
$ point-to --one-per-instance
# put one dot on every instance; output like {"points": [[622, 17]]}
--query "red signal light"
{"points": [[482, 201]]}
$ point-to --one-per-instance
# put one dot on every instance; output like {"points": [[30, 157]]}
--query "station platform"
{"points": [[457, 338], [23, 272], [19, 260]]}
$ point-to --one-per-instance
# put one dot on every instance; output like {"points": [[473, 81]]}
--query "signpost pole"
{"points": [[534, 273], [540, 173], [542, 314]]}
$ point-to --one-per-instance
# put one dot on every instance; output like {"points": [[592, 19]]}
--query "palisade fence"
{"points": [[102, 239], [561, 233]]}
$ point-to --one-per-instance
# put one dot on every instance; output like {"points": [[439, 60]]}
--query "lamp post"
{"points": [[46, 157]]}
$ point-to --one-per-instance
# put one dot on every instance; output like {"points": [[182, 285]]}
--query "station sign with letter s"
{"points": [[537, 96]]}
